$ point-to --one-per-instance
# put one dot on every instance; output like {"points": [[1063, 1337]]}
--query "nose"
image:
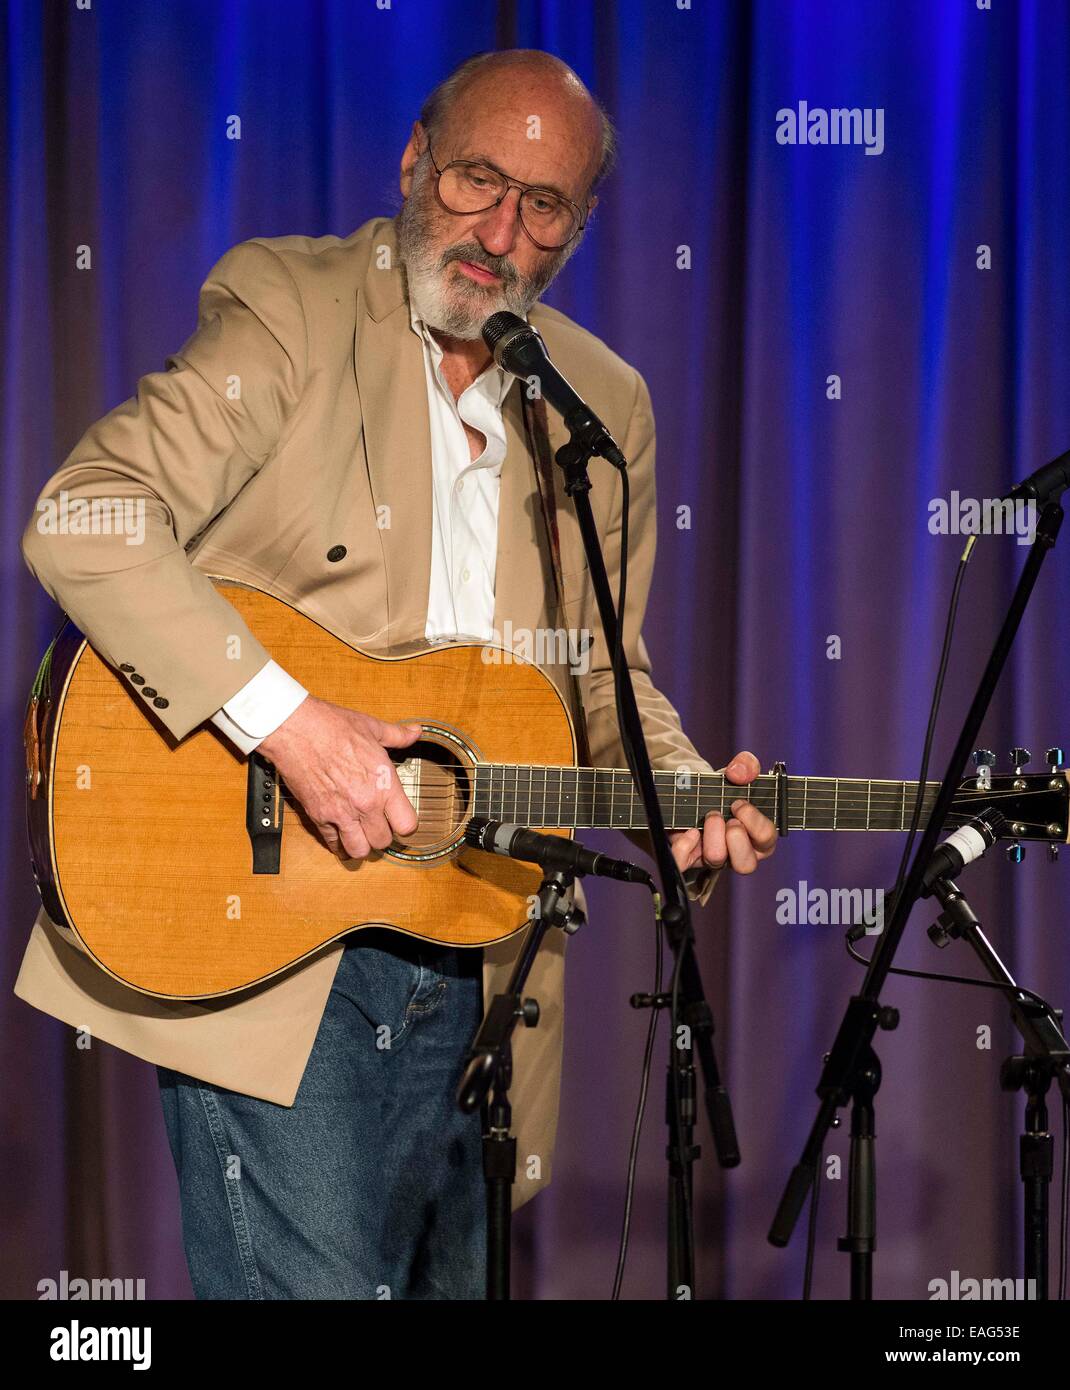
{"points": [[498, 227]]}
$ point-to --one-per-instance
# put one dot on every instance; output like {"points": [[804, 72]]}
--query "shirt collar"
{"points": [[495, 382]]}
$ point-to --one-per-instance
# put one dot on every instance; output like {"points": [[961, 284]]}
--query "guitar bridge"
{"points": [[263, 815]]}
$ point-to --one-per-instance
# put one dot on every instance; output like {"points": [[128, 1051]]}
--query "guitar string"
{"points": [[515, 795]]}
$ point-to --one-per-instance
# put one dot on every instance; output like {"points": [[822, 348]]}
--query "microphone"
{"points": [[519, 349], [1045, 485], [962, 847], [550, 852]]}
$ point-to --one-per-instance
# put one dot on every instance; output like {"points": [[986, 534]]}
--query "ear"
{"points": [[417, 144], [592, 203]]}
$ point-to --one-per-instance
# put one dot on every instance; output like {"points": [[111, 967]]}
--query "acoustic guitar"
{"points": [[187, 872]]}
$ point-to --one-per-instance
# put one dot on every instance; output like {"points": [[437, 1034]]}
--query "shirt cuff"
{"points": [[259, 707]]}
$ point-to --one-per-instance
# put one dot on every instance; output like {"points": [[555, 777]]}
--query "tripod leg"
{"points": [[499, 1172], [1036, 1155], [861, 1238]]}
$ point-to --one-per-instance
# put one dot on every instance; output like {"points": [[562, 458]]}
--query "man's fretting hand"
{"points": [[334, 761], [743, 841]]}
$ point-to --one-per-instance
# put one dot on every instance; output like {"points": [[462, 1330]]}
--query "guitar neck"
{"points": [[585, 798]]}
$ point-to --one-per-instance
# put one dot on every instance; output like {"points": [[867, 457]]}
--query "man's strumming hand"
{"points": [[334, 761]]}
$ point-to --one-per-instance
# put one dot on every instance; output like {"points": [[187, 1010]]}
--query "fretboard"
{"points": [[601, 798]]}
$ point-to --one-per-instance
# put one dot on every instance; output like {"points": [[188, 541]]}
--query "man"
{"points": [[336, 431]]}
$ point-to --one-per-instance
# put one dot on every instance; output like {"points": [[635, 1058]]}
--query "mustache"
{"points": [[472, 251]]}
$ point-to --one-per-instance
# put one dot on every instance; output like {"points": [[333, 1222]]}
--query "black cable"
{"points": [[644, 1087], [617, 662], [1064, 1228], [938, 690], [956, 979], [676, 1137]]}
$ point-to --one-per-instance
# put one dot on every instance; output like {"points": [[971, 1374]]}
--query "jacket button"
{"points": [[160, 702], [336, 553], [126, 666], [137, 680], [148, 692]]}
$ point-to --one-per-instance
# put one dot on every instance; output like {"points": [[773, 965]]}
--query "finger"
{"points": [[744, 767], [396, 735], [740, 850], [399, 811], [685, 849], [329, 836], [762, 831], [714, 849], [376, 829], [354, 841]]}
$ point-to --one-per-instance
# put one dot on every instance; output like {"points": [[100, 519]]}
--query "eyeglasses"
{"points": [[549, 220]]}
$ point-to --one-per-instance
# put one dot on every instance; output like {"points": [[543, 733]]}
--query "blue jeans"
{"points": [[371, 1185]]}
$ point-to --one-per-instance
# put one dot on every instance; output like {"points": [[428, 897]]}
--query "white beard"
{"points": [[441, 310]]}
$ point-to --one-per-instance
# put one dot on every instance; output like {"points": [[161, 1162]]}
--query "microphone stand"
{"points": [[849, 1067], [489, 1063], [695, 1012], [1046, 1058]]}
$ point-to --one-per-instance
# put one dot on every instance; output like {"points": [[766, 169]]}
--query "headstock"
{"points": [[1036, 805]]}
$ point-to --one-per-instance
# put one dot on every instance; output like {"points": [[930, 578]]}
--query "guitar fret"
{"points": [[585, 798]]}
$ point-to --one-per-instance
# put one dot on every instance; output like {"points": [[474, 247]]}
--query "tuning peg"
{"points": [[1019, 757], [1055, 759], [983, 757], [1015, 852], [1053, 851]]}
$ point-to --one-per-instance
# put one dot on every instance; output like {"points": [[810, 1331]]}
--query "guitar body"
{"points": [[141, 845]]}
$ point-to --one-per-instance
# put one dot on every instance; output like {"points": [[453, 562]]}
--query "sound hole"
{"points": [[436, 780]]}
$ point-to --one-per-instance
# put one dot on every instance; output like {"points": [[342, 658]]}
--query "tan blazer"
{"points": [[293, 421]]}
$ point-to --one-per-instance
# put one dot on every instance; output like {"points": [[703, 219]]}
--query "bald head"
{"points": [[528, 94]]}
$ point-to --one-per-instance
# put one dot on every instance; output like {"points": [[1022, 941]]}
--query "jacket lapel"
{"points": [[392, 387]]}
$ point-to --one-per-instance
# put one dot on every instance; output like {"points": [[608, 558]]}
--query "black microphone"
{"points": [[1045, 485], [962, 847], [550, 852], [519, 349]]}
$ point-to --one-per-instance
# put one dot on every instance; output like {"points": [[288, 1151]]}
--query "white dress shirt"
{"points": [[464, 538]]}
